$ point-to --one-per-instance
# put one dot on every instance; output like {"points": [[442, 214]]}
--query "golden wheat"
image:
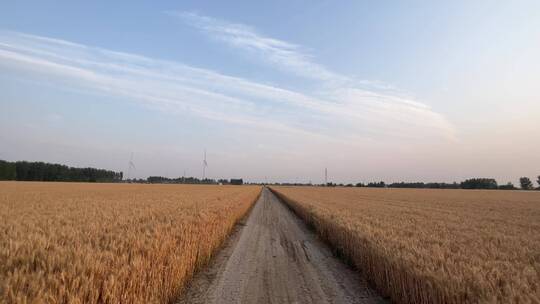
{"points": [[110, 243], [432, 246]]}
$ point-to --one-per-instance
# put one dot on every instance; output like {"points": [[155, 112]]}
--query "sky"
{"points": [[277, 91]]}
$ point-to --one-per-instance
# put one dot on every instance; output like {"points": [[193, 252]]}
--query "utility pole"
{"points": [[325, 177], [205, 164]]}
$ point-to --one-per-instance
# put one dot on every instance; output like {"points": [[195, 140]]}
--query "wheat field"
{"points": [[432, 246], [110, 243]]}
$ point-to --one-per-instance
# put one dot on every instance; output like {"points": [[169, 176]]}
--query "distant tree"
{"points": [[182, 180], [453, 185], [508, 186], [40, 171], [360, 185], [380, 184], [538, 181], [237, 181], [407, 185], [7, 170], [223, 181], [479, 183], [525, 183], [421, 185]]}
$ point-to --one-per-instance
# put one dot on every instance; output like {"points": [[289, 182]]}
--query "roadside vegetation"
{"points": [[110, 243], [431, 246]]}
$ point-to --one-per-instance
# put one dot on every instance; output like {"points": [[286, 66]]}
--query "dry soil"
{"points": [[272, 257]]}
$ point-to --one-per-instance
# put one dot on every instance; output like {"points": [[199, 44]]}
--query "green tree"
{"points": [[538, 181], [508, 186], [7, 170], [525, 183], [479, 183]]}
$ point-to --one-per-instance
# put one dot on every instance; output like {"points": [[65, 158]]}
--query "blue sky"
{"points": [[414, 90]]}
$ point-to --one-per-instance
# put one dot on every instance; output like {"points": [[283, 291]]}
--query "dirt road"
{"points": [[274, 258]]}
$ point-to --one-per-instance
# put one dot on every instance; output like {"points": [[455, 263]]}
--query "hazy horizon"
{"points": [[433, 92]]}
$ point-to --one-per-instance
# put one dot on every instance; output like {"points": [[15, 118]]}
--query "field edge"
{"points": [[387, 276], [201, 266]]}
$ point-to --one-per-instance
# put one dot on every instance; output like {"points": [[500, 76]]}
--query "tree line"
{"points": [[472, 183], [41, 171], [190, 180], [183, 180]]}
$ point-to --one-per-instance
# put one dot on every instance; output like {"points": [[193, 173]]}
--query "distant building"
{"points": [[238, 181]]}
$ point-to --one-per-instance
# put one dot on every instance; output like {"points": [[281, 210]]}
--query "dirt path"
{"points": [[274, 258]]}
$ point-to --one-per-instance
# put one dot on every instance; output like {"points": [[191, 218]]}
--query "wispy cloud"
{"points": [[276, 53], [285, 55], [345, 91], [344, 114]]}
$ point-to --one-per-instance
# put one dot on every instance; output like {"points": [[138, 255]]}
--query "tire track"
{"points": [[274, 258]]}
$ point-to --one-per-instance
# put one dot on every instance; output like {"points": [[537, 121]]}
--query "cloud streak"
{"points": [[345, 92], [286, 55], [344, 114]]}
